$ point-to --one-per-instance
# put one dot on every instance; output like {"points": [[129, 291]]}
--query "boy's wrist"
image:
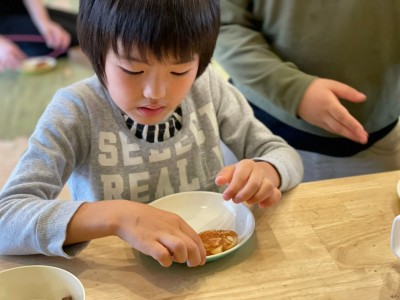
{"points": [[96, 220]]}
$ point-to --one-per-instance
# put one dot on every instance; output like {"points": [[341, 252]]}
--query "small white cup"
{"points": [[39, 282], [395, 236]]}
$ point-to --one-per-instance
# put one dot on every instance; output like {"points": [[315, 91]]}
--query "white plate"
{"points": [[208, 210], [39, 64]]}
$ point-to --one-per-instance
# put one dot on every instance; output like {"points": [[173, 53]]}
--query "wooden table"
{"points": [[325, 240]]}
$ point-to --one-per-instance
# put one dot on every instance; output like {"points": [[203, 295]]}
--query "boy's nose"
{"points": [[155, 89]]}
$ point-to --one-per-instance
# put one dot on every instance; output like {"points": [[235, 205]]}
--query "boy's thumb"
{"points": [[345, 92]]}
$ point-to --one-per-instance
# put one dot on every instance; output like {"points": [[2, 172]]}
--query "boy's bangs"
{"points": [[161, 29], [161, 36]]}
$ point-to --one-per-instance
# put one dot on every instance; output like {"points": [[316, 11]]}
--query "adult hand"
{"points": [[55, 36], [321, 107], [251, 182], [11, 55]]}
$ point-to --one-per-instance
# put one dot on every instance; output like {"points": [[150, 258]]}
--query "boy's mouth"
{"points": [[148, 111]]}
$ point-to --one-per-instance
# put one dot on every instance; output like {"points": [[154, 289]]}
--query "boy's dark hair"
{"points": [[167, 29]]}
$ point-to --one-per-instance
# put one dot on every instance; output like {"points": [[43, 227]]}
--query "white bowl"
{"points": [[208, 210], [39, 282]]}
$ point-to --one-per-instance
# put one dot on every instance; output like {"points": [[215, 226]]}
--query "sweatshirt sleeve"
{"points": [[32, 219], [244, 53], [249, 138]]}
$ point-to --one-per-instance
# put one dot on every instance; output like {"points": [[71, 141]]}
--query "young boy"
{"points": [[147, 125]]}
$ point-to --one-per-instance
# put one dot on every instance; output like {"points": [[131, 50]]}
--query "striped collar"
{"points": [[159, 132]]}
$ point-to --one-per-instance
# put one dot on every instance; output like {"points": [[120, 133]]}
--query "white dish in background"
{"points": [[395, 232], [208, 210], [39, 282], [39, 64], [398, 188]]}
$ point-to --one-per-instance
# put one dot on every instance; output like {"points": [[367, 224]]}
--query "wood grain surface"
{"points": [[325, 240]]}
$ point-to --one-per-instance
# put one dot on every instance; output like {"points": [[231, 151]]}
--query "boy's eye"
{"points": [[132, 72], [180, 73]]}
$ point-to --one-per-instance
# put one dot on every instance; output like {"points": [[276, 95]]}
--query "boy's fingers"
{"points": [[160, 253], [225, 175], [176, 247], [265, 191], [240, 178], [197, 254], [184, 248], [271, 201]]}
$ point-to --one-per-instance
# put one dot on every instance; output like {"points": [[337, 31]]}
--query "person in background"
{"points": [[324, 75], [148, 124], [28, 28]]}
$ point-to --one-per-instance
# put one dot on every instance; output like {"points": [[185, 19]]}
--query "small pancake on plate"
{"points": [[38, 65], [218, 241]]}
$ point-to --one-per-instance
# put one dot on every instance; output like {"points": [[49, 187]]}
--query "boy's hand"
{"points": [[321, 107], [251, 182], [155, 232], [163, 235]]}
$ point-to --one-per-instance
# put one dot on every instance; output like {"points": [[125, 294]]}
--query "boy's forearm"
{"points": [[94, 220]]}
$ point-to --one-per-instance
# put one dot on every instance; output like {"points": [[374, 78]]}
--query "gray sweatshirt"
{"points": [[82, 139]]}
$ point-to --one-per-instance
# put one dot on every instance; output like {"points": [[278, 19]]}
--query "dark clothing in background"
{"points": [[15, 20], [12, 7]]}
